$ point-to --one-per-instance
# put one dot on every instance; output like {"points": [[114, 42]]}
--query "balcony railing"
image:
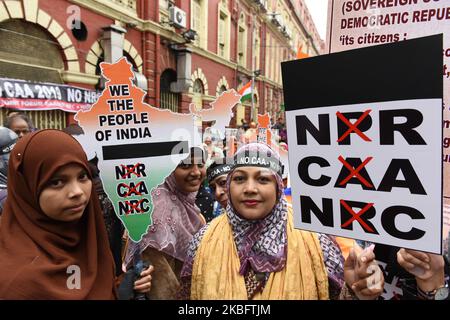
{"points": [[125, 6], [129, 4]]}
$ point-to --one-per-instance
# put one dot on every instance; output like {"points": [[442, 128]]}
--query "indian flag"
{"points": [[246, 92], [301, 54]]}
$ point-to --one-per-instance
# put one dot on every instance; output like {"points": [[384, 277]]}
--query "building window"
{"points": [[198, 87], [221, 36], [256, 49], [223, 32], [130, 60], [164, 13], [164, 4], [98, 70], [29, 52], [271, 104], [286, 18], [199, 21], [196, 15], [129, 5], [277, 61], [222, 90], [270, 56], [266, 65], [242, 42], [169, 99], [199, 90]]}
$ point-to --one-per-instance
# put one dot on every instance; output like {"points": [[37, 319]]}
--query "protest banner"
{"points": [[231, 141], [361, 23], [138, 146], [220, 112], [270, 136], [365, 151], [29, 95]]}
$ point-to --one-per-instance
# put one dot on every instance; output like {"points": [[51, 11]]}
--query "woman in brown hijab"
{"points": [[52, 229]]}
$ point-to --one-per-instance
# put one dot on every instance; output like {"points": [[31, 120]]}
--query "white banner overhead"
{"points": [[360, 23]]}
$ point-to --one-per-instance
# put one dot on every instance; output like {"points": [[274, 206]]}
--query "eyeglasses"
{"points": [[22, 132]]}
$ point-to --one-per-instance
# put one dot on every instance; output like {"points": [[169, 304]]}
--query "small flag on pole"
{"points": [[246, 92], [300, 54]]}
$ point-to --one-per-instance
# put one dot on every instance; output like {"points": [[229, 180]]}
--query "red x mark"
{"points": [[353, 127], [354, 172], [132, 189], [130, 171], [357, 216], [134, 206]]}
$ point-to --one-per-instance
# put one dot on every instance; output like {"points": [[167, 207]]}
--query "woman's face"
{"points": [[253, 192], [219, 187], [66, 194], [20, 127], [189, 176]]}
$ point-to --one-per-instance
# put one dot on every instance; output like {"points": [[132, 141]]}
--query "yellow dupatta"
{"points": [[215, 273]]}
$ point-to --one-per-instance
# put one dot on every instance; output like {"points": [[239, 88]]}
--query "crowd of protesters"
{"points": [[222, 228]]}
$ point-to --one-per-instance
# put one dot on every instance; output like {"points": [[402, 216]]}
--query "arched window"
{"points": [[29, 52], [198, 90], [198, 87], [169, 100], [130, 60], [222, 89], [98, 70]]}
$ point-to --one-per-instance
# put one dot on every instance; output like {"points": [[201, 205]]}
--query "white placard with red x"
{"points": [[369, 171]]}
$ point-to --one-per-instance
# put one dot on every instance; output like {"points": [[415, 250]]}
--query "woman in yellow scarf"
{"points": [[254, 252]]}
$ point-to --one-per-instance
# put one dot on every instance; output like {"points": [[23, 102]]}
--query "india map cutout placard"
{"points": [[138, 145]]}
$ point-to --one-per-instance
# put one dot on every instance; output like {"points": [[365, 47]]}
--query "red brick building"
{"points": [[182, 51]]}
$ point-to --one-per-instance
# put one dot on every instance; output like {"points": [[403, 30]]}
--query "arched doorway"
{"points": [[29, 52], [169, 99]]}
